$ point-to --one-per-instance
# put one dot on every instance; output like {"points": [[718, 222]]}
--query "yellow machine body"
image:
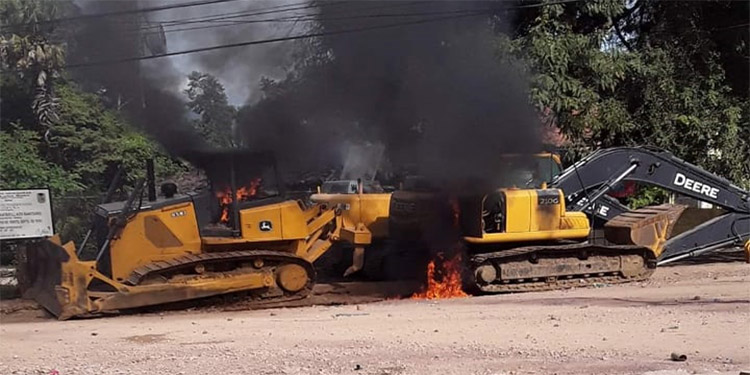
{"points": [[162, 234], [160, 255], [371, 209], [534, 215], [521, 237], [526, 240], [539, 215], [153, 236], [364, 218]]}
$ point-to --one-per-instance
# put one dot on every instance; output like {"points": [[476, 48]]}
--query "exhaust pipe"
{"points": [[151, 178]]}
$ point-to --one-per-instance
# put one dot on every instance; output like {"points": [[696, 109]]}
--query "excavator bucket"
{"points": [[44, 278], [649, 226]]}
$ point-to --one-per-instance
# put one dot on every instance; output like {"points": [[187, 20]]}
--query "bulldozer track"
{"points": [[518, 260], [271, 259]]}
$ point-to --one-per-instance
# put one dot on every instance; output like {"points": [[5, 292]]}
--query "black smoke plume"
{"points": [[429, 87], [435, 93], [147, 92]]}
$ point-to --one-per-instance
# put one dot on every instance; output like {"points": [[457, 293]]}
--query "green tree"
{"points": [[87, 145], [22, 165], [53, 134], [28, 56], [208, 100], [655, 73], [92, 141]]}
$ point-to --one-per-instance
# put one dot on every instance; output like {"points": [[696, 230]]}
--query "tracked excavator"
{"points": [[244, 235], [586, 183], [534, 234]]}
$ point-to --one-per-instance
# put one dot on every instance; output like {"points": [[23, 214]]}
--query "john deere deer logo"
{"points": [[265, 226]]}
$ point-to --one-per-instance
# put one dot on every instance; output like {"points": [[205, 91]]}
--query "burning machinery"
{"points": [[533, 234], [243, 236], [246, 235]]}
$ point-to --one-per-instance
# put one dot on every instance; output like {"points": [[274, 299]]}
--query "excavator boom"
{"points": [[585, 181]]}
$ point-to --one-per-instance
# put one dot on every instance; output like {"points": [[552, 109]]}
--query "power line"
{"points": [[119, 13], [231, 18], [240, 14], [272, 40], [273, 8], [228, 20], [298, 18], [313, 17], [732, 27], [245, 13], [228, 17], [303, 36]]}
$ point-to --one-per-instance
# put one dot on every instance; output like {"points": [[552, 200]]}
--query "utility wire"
{"points": [[732, 27], [156, 26], [240, 13], [230, 17], [298, 18], [277, 8], [119, 13], [312, 18], [273, 40], [301, 36]]}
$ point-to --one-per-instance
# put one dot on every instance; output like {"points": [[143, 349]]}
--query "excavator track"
{"points": [[538, 268], [230, 264]]}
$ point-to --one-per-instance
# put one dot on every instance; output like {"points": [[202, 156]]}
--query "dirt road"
{"points": [[702, 311]]}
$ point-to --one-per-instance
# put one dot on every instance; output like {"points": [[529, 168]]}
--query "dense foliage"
{"points": [[52, 133], [671, 74]]}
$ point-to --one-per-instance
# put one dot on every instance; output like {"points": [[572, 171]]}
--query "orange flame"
{"points": [[225, 198], [445, 283], [243, 193]]}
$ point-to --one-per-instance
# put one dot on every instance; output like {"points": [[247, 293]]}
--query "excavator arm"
{"points": [[586, 183]]}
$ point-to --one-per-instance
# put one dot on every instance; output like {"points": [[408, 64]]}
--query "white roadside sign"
{"points": [[25, 214]]}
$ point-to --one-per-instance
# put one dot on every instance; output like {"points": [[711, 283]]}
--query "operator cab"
{"points": [[350, 187], [423, 208], [521, 172], [236, 180], [528, 171]]}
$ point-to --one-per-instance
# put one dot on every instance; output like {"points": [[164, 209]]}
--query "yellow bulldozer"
{"points": [[243, 235]]}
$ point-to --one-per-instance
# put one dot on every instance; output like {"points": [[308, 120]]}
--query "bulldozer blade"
{"points": [[42, 273], [649, 226], [43, 276]]}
